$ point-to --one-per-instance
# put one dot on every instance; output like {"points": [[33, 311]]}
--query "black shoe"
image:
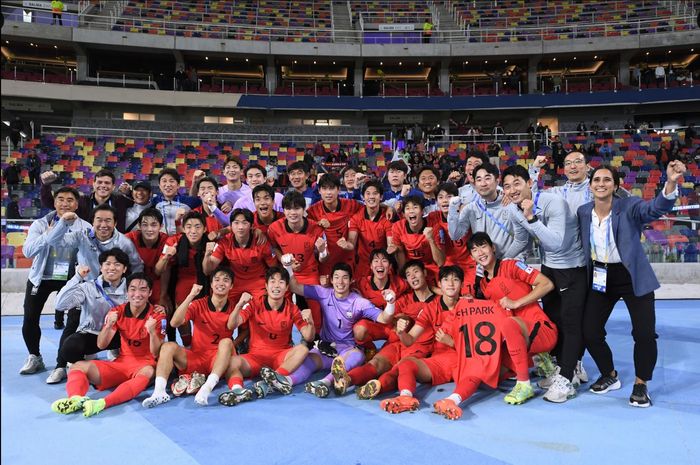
{"points": [[58, 325], [640, 396], [605, 384]]}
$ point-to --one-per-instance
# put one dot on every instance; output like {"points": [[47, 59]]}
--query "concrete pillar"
{"points": [[445, 77], [271, 75], [532, 83], [623, 73], [359, 77]]}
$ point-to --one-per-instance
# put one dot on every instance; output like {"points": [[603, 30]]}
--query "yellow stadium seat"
{"points": [[16, 238]]}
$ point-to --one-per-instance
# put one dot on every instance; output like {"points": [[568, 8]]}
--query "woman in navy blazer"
{"points": [[610, 234]]}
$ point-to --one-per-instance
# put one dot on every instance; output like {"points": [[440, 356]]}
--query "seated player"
{"points": [[139, 326], [382, 277], [270, 318], [413, 239], [517, 287], [438, 368], [341, 309], [209, 315], [408, 307], [477, 333]]}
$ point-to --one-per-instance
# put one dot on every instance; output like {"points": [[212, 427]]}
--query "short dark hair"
{"points": [[293, 199], [223, 269], [141, 276], [490, 169], [298, 165], [117, 253], [615, 174], [247, 214], [448, 187], [414, 199], [479, 238], [398, 165], [385, 254], [427, 168], [411, 263], [169, 172], [264, 188], [517, 171], [373, 183], [105, 173], [233, 159], [341, 266], [451, 270], [254, 166], [194, 215], [207, 179], [480, 155], [151, 212], [103, 207], [273, 270], [69, 190], [329, 181]]}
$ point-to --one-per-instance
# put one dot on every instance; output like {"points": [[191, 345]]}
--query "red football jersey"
{"points": [[213, 223], [150, 256], [135, 340], [434, 316], [186, 275], [416, 245], [476, 330], [271, 328], [456, 252], [301, 245], [371, 234], [410, 305], [209, 324], [514, 279], [258, 224], [249, 262], [339, 219], [368, 290]]}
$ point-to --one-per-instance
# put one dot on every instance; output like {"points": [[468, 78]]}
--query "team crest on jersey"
{"points": [[523, 266], [479, 270], [284, 325], [348, 314]]}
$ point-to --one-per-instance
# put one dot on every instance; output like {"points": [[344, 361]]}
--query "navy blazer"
{"points": [[629, 215]]}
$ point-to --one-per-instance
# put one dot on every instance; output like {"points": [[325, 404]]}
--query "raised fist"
{"points": [[196, 289], [82, 270], [455, 201], [110, 319], [47, 177], [528, 206], [179, 213], [198, 174], [324, 223], [169, 250], [210, 248], [69, 217], [389, 296], [320, 244], [287, 259], [428, 233], [540, 161], [675, 170], [405, 189]]}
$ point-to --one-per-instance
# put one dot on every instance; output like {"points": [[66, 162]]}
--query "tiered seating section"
{"points": [[76, 159], [290, 20]]}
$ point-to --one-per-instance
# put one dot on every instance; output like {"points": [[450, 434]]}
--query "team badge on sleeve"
{"points": [[525, 267]]}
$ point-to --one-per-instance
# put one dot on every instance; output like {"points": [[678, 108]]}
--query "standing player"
{"points": [[332, 214], [265, 214], [413, 239], [217, 221], [270, 318], [255, 176], [209, 315], [341, 309], [139, 326], [234, 188], [369, 228]]}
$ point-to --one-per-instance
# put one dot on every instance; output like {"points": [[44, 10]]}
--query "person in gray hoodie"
{"points": [[487, 214], [547, 218], [94, 297], [51, 268]]}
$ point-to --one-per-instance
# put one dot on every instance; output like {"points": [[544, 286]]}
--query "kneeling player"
{"points": [[270, 318], [139, 327], [209, 315]]}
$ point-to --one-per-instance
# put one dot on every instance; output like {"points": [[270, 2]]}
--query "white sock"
{"points": [[406, 392], [211, 381], [160, 386], [456, 398]]}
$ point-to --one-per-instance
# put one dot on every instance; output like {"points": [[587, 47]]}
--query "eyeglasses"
{"points": [[578, 161]]}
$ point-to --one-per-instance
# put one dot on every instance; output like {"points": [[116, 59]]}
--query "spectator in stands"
{"points": [[558, 153], [12, 174], [12, 208], [694, 199], [427, 31], [690, 254], [51, 268], [630, 128], [57, 12], [595, 128], [102, 194], [179, 79], [498, 131], [606, 152], [531, 129], [663, 156], [690, 134], [636, 74], [141, 194], [647, 76], [272, 173], [16, 128], [556, 82], [582, 129], [660, 75], [34, 169]]}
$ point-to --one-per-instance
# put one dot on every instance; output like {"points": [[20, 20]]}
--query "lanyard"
{"points": [[104, 294], [493, 218], [594, 255], [588, 193], [537, 199], [175, 202]]}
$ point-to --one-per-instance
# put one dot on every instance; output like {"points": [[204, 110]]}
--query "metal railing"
{"points": [[114, 21], [220, 136]]}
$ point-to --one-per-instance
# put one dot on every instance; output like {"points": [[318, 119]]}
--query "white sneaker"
{"points": [[155, 399], [580, 372], [545, 383], [56, 376], [33, 364], [560, 391], [112, 354]]}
